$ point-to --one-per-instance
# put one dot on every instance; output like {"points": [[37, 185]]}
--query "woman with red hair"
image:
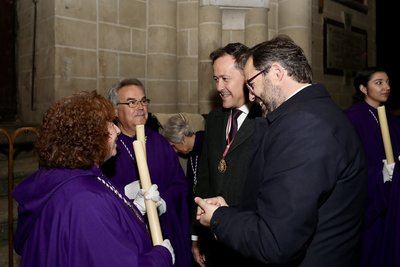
{"points": [[70, 214]]}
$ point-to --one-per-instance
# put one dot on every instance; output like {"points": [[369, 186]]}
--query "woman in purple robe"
{"points": [[373, 89], [69, 213]]}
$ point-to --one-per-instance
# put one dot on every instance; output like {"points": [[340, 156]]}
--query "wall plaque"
{"points": [[344, 49]]}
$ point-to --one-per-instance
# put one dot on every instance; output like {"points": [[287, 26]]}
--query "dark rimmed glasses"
{"points": [[248, 82], [133, 103]]}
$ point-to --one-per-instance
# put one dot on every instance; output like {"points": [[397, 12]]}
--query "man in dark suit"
{"points": [[226, 148], [304, 198]]}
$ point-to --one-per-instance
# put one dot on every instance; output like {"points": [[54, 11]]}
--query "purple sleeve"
{"points": [[102, 234]]}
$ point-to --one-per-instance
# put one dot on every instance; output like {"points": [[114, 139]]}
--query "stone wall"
{"points": [[340, 87], [89, 45]]}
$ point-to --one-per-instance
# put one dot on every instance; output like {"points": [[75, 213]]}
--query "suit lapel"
{"points": [[245, 131]]}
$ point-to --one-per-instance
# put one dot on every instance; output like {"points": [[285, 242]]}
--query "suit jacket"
{"points": [[305, 194], [229, 184]]}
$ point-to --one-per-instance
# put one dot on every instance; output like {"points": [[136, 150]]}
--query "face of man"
{"points": [[229, 82], [261, 88], [129, 117]]}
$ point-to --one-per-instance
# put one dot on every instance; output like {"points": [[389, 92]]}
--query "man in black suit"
{"points": [[304, 198], [226, 149]]}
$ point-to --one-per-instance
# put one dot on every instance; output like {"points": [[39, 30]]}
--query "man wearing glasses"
{"points": [[226, 151], [131, 107], [303, 201]]}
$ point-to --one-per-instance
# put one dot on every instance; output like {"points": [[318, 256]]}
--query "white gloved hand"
{"points": [[131, 190], [387, 171], [167, 245], [151, 194]]}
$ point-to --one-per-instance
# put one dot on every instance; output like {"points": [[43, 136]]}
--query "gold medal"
{"points": [[222, 165]]}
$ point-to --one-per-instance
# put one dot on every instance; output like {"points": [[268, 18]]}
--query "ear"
{"points": [[363, 89], [278, 71]]}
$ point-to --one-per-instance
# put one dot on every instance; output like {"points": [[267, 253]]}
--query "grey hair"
{"points": [[113, 91], [176, 128]]}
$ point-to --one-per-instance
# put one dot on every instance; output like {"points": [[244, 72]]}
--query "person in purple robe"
{"points": [[186, 142], [69, 213], [130, 103], [372, 90]]}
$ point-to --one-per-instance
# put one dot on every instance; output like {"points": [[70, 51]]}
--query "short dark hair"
{"points": [[236, 50], [362, 78], [283, 50], [74, 133]]}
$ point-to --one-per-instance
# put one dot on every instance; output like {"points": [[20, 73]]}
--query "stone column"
{"points": [[210, 37], [256, 26], [161, 56], [294, 19]]}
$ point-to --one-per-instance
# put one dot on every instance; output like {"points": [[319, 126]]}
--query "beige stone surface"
{"points": [[114, 37], [226, 37], [105, 84], [294, 13], [193, 92], [44, 88], [206, 87], [188, 15], [132, 13], [85, 10], [164, 108], [256, 34], [132, 65], [25, 16], [187, 68], [75, 33], [238, 36], [183, 43], [183, 92], [209, 39], [108, 11], [45, 9], [71, 63], [68, 87], [45, 63], [108, 63], [161, 67], [273, 16], [168, 37], [193, 42], [210, 14], [138, 41], [302, 37], [25, 46], [162, 12], [162, 91], [45, 35], [256, 16]]}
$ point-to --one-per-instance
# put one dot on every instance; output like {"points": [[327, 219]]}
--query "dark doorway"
{"points": [[8, 91], [387, 48]]}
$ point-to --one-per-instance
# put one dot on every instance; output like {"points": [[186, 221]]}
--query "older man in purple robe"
{"points": [[130, 102]]}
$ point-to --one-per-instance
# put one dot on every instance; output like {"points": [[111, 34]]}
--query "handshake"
{"points": [[133, 192]]}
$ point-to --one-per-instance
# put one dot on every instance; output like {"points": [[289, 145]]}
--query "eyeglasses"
{"points": [[135, 103], [248, 82]]}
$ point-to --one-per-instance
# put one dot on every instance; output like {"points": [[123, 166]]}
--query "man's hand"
{"points": [[199, 258], [207, 207]]}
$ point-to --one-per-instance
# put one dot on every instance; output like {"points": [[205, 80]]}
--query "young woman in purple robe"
{"points": [[69, 213], [373, 89]]}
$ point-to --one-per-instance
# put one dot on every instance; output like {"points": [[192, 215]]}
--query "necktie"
{"points": [[234, 125]]}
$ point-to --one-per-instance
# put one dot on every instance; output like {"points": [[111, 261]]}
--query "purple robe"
{"points": [[165, 171], [67, 217], [382, 197]]}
